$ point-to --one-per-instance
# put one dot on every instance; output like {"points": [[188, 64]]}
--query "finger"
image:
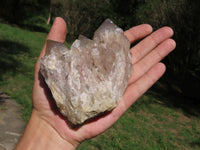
{"points": [[134, 91], [138, 32], [149, 43], [155, 56], [57, 33]]}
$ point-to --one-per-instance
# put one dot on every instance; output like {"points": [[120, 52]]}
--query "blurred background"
{"points": [[25, 23]]}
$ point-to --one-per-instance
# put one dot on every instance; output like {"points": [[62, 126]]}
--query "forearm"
{"points": [[40, 135]]}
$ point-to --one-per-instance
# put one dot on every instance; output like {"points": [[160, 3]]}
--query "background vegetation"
{"points": [[167, 117]]}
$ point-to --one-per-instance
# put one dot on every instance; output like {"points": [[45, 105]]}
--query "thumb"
{"points": [[57, 33]]}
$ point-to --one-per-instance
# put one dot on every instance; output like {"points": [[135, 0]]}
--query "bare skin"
{"points": [[47, 129]]}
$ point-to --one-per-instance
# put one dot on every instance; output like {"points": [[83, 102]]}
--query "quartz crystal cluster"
{"points": [[90, 78]]}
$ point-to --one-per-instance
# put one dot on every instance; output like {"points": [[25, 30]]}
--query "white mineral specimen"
{"points": [[90, 78]]}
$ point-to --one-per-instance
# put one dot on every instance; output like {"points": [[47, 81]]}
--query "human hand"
{"points": [[146, 57]]}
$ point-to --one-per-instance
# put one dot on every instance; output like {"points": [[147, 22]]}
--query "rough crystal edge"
{"points": [[52, 44]]}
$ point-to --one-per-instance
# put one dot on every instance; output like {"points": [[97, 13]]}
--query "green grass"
{"points": [[19, 50], [148, 124], [3, 108]]}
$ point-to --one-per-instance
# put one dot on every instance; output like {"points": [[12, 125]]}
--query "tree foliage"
{"points": [[82, 16], [183, 65], [26, 13]]}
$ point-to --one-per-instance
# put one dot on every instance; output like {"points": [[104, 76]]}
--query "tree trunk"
{"points": [[49, 18]]}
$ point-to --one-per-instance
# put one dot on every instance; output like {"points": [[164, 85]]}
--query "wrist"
{"points": [[41, 135]]}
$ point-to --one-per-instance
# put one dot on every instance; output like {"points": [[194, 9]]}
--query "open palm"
{"points": [[146, 57]]}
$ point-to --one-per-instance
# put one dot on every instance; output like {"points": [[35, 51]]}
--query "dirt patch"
{"points": [[11, 123]]}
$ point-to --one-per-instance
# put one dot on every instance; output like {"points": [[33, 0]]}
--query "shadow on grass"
{"points": [[36, 28], [195, 144], [10, 57], [183, 94], [3, 97]]}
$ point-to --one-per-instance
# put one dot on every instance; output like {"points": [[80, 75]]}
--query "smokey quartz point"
{"points": [[89, 79]]}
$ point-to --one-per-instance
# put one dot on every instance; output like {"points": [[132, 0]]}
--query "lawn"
{"points": [[148, 124], [19, 50]]}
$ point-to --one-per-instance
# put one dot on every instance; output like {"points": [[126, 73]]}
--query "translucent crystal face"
{"points": [[90, 78]]}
